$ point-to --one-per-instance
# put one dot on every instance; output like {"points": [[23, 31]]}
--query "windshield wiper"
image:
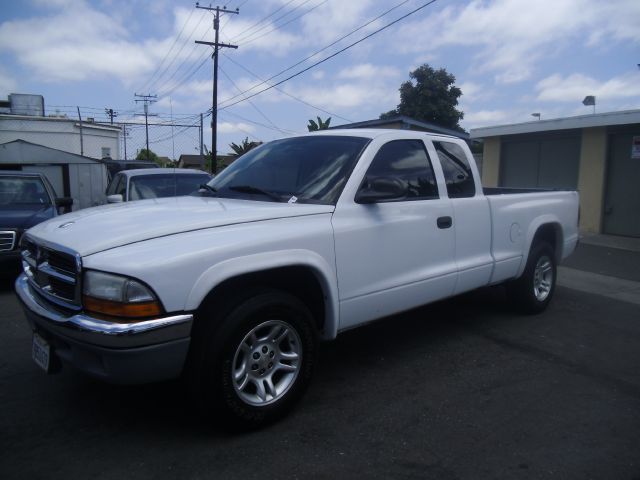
{"points": [[208, 187], [252, 189]]}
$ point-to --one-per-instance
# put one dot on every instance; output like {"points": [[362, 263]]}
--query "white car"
{"points": [[145, 183], [296, 241]]}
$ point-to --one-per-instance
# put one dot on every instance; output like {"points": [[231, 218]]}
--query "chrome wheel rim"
{"points": [[266, 363], [543, 278]]}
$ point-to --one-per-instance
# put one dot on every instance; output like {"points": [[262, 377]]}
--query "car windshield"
{"points": [[22, 191], [165, 185], [310, 169]]}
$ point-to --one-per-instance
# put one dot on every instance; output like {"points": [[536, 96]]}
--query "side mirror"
{"points": [[115, 198], [381, 189], [64, 203]]}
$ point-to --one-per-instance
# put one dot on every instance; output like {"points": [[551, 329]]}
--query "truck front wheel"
{"points": [[257, 363], [532, 292]]}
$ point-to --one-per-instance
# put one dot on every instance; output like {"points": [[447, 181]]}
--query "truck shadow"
{"points": [[166, 409]]}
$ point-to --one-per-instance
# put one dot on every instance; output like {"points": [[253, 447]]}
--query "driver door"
{"points": [[395, 254]]}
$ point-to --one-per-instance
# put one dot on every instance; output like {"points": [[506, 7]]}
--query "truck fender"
{"points": [[534, 226], [228, 269]]}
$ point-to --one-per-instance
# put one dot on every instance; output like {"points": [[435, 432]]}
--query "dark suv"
{"points": [[26, 199]]}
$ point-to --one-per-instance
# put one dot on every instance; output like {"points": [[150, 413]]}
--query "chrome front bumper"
{"points": [[139, 352], [101, 332]]}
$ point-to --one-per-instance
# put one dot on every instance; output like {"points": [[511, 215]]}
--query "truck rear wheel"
{"points": [[532, 292], [253, 368]]}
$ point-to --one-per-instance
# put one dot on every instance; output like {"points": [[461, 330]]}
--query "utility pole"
{"points": [[201, 138], [146, 101], [214, 102], [124, 136], [81, 139], [111, 114]]}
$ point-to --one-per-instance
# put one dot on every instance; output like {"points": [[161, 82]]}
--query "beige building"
{"points": [[598, 155]]}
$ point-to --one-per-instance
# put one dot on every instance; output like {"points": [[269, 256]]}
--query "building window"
{"points": [[106, 152]]}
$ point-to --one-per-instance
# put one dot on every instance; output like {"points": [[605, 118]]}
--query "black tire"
{"points": [[527, 294], [216, 354]]}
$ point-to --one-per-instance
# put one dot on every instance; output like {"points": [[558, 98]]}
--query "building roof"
{"points": [[85, 123], [23, 152], [407, 123], [624, 117], [188, 159]]}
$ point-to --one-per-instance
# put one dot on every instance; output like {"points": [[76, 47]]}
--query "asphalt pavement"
{"points": [[463, 389]]}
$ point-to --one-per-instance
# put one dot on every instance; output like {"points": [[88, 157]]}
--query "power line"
{"points": [[248, 120], [298, 99], [261, 20], [249, 40], [144, 87], [331, 56], [251, 103], [319, 51], [176, 56], [266, 25]]}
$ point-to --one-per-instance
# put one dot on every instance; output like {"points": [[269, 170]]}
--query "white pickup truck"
{"points": [[296, 241]]}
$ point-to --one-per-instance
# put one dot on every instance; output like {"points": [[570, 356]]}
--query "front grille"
{"points": [[7, 240], [53, 273]]}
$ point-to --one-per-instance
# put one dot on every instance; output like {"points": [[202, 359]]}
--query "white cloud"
{"points": [[574, 87], [508, 37], [7, 84], [239, 127], [74, 41], [368, 71], [334, 19], [470, 90], [486, 117]]}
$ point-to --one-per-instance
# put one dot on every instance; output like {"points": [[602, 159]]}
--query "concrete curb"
{"points": [[611, 287]]}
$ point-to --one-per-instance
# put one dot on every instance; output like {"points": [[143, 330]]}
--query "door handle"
{"points": [[445, 222]]}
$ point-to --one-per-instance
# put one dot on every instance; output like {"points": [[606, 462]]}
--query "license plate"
{"points": [[40, 352]]}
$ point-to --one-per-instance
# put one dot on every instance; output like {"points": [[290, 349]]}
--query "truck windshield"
{"points": [[165, 185], [16, 190], [309, 169]]}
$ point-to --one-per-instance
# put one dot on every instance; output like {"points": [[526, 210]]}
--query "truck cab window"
{"points": [[456, 169], [408, 162]]}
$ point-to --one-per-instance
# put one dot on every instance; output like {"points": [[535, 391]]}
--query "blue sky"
{"points": [[510, 58]]}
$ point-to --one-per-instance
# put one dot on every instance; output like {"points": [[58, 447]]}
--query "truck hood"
{"points": [[101, 228]]}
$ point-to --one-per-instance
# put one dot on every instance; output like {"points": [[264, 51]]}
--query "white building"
{"points": [[66, 134]]}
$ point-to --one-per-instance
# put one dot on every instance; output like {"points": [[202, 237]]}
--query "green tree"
{"points": [[319, 125], [145, 154], [430, 96], [244, 147]]}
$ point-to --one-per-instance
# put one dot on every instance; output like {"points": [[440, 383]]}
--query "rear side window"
{"points": [[113, 186], [456, 169], [407, 161]]}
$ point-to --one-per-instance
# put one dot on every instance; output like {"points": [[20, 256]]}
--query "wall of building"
{"points": [[61, 134], [491, 161], [593, 156]]}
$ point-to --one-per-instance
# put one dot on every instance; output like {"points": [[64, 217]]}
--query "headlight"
{"points": [[118, 296]]}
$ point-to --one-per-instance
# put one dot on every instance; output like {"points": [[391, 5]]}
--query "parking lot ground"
{"points": [[461, 389]]}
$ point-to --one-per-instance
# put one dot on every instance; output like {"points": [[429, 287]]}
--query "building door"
{"points": [[622, 198], [549, 161]]}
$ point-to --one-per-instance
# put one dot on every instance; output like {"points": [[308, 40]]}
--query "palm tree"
{"points": [[244, 147], [320, 125]]}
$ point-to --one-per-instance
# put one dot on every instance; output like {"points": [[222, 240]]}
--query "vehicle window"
{"points": [[160, 186], [113, 186], [313, 169], [121, 187], [456, 169], [23, 190], [407, 161]]}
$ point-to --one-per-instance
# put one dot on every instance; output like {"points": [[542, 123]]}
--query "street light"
{"points": [[590, 100], [536, 114]]}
